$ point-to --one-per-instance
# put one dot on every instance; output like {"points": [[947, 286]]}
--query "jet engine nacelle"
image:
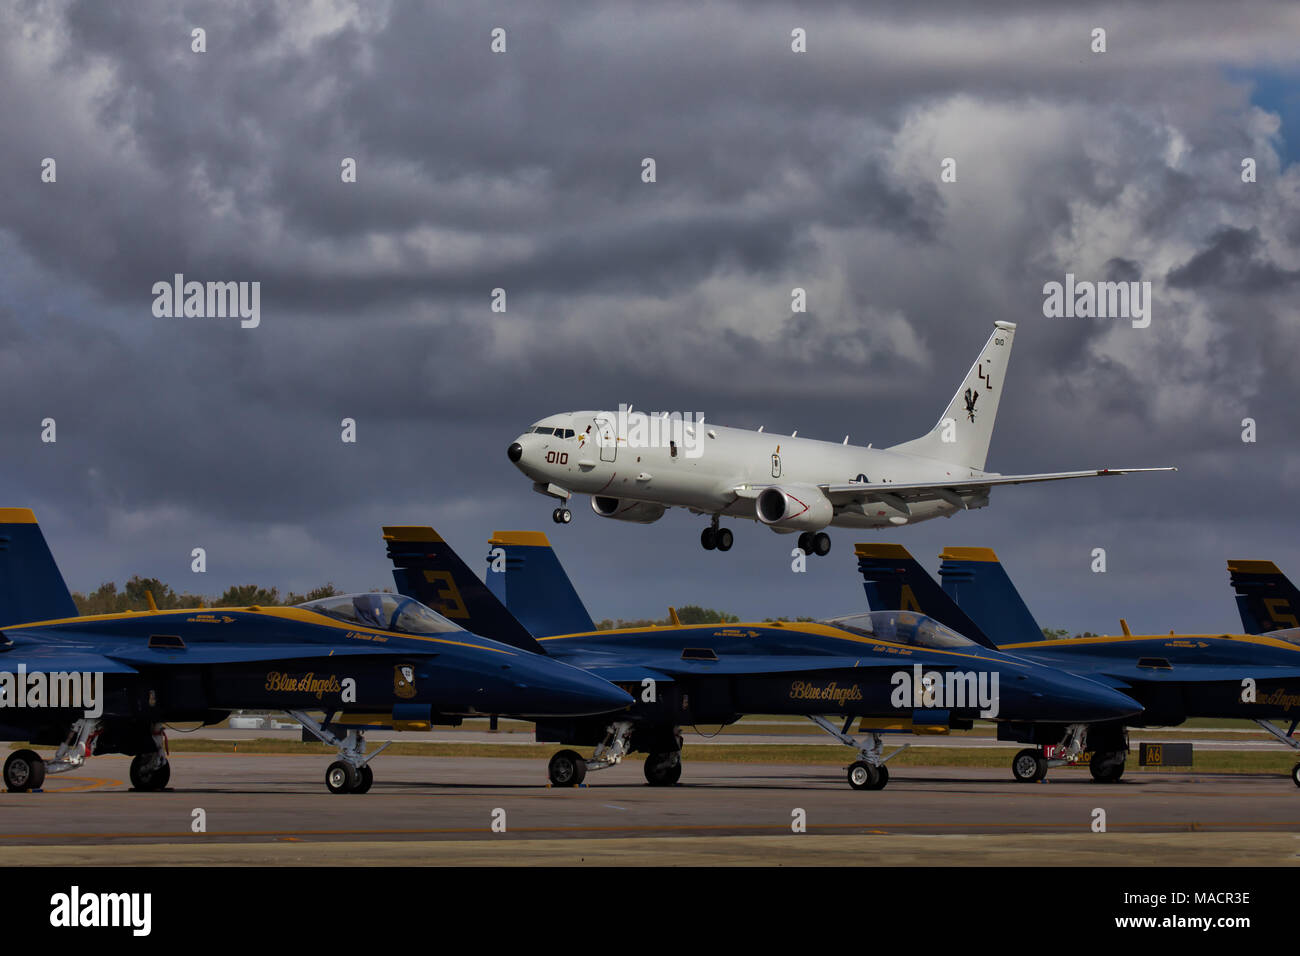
{"points": [[794, 508], [642, 512]]}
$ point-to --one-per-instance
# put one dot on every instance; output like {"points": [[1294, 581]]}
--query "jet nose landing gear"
{"points": [[561, 515]]}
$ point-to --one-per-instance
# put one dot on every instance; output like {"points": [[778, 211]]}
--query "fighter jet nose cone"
{"points": [[515, 452]]}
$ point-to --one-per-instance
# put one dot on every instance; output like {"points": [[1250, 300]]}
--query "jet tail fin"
{"points": [[1266, 598], [535, 587], [426, 568], [894, 580], [31, 587], [976, 580], [965, 429]]}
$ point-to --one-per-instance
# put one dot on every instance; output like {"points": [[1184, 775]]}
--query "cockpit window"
{"points": [[382, 611], [568, 433], [543, 430], [902, 627]]}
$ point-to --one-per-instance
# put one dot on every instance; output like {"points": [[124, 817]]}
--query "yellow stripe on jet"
{"points": [[876, 549], [533, 539], [17, 516], [1253, 567], [410, 532], [969, 554]]}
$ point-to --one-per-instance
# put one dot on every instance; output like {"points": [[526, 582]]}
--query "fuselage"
{"points": [[1176, 676], [707, 468], [190, 663]]}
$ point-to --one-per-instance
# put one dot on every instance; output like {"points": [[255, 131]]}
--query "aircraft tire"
{"points": [[1295, 774], [1107, 767], [341, 777], [863, 776], [821, 544], [365, 778], [565, 516], [708, 539], [806, 542], [663, 769], [882, 773], [1028, 766], [24, 770], [155, 779], [725, 539], [567, 769]]}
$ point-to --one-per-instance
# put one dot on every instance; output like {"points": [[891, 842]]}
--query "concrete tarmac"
{"points": [[274, 809]]}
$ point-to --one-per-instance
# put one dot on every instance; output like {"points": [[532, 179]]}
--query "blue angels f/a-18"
{"points": [[364, 660], [1173, 676], [895, 670]]}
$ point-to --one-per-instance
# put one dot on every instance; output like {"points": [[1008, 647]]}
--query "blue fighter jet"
{"points": [[109, 683], [896, 671], [1174, 676]]}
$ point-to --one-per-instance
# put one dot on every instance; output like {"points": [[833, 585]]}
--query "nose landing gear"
{"points": [[561, 515]]}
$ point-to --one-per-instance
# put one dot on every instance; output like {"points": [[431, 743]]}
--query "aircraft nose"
{"points": [[515, 452], [1104, 703]]}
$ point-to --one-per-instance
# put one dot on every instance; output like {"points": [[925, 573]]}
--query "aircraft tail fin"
{"points": [[31, 587], [965, 429], [535, 587], [976, 580], [1266, 598], [895, 581], [426, 568]]}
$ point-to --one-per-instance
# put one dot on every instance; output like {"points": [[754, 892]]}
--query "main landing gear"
{"points": [[714, 537], [815, 542], [561, 515], [663, 768], [1031, 765], [1285, 737], [868, 772], [351, 773]]}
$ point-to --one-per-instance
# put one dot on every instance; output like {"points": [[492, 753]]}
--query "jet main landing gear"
{"points": [[561, 515], [351, 773], [663, 768], [815, 542], [868, 772], [714, 537]]}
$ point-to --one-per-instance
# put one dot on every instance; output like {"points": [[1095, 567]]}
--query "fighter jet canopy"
{"points": [[379, 609], [901, 627]]}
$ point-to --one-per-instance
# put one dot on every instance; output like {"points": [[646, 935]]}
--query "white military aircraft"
{"points": [[636, 465]]}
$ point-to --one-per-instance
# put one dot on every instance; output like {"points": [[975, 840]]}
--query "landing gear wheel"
{"points": [[342, 777], [724, 539], [365, 777], [821, 544], [1295, 774], [155, 779], [863, 776], [708, 539], [663, 769], [24, 770], [1109, 767], [882, 774], [1029, 767], [567, 769], [806, 542], [561, 515]]}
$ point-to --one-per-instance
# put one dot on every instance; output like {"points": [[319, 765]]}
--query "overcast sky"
{"points": [[522, 170]]}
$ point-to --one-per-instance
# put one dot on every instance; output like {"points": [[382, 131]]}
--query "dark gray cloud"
{"points": [[522, 171]]}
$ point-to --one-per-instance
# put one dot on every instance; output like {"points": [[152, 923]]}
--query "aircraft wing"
{"points": [[862, 492], [45, 658], [137, 657], [669, 666]]}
